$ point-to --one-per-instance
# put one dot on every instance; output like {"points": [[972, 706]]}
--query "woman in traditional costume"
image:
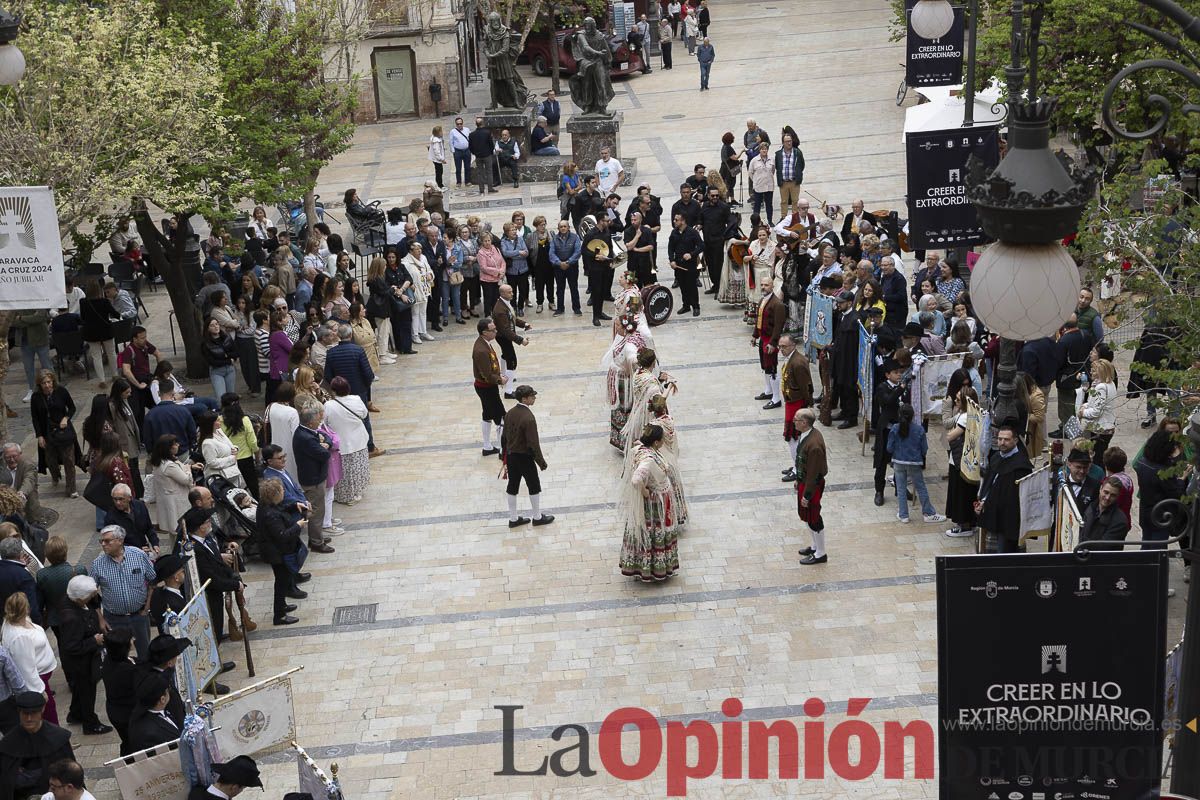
{"points": [[760, 265], [648, 381], [653, 509], [620, 360]]}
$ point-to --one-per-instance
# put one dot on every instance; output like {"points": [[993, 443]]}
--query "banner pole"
{"points": [[195, 594], [158, 749], [253, 686], [241, 604]]}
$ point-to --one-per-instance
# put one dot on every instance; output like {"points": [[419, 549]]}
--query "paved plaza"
{"points": [[464, 614]]}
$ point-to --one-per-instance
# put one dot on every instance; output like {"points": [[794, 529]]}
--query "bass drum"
{"points": [[657, 302]]}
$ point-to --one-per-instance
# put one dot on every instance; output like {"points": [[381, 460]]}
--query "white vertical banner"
{"points": [[1037, 512], [257, 718], [31, 258], [313, 780], [1069, 522], [152, 774]]}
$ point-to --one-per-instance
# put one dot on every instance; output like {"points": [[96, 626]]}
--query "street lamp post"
{"points": [[1178, 517]]}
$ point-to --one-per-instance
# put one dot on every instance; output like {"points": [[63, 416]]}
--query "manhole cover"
{"points": [[354, 615], [674, 116]]}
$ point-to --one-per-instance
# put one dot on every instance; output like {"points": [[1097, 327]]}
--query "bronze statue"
{"points": [[501, 46], [591, 86]]}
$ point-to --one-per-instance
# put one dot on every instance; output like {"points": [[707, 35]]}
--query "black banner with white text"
{"points": [[935, 62], [940, 215]]}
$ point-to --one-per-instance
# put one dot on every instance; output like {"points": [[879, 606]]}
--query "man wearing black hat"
{"points": [[164, 653], [207, 552], [28, 750], [523, 457], [233, 776], [169, 589], [845, 362], [1077, 478], [911, 338], [151, 725], [887, 401]]}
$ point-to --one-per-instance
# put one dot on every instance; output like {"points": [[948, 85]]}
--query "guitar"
{"points": [[738, 252]]}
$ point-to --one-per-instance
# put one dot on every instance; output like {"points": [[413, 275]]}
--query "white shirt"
{"points": [[609, 174], [762, 174], [31, 653], [73, 297], [345, 415], [85, 795], [516, 148], [458, 139], [674, 8]]}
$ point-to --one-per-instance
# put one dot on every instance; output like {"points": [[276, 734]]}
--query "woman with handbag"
{"points": [[364, 337], [417, 266], [400, 283], [1098, 412], [379, 307], [124, 424], [451, 282], [52, 408], [279, 543], [465, 259], [239, 428], [346, 414], [220, 456]]}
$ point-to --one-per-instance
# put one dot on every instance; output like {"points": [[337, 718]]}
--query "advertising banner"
{"points": [[1030, 697], [31, 258], [935, 62], [940, 215]]}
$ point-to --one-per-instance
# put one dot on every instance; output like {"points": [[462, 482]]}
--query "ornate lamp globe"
{"points": [[932, 19], [1024, 291], [12, 60]]}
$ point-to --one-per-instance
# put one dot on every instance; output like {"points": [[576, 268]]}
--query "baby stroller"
{"points": [[236, 512]]}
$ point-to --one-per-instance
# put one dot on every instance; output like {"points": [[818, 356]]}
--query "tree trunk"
{"points": [[534, 10], [310, 212], [166, 257], [555, 67]]}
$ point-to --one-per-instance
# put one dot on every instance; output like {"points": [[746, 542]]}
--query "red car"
{"points": [[537, 54]]}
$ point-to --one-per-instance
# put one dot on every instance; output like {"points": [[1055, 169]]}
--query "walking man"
{"points": [[796, 383], [488, 380], [705, 55], [523, 458], [507, 322], [461, 147], [811, 469], [999, 503]]}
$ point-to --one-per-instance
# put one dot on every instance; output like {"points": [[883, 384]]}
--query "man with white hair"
{"points": [[304, 288], [14, 577], [541, 141], [855, 218], [327, 339], [312, 449], [133, 517], [125, 576], [20, 475]]}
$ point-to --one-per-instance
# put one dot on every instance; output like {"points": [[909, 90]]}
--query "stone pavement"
{"points": [[469, 615]]}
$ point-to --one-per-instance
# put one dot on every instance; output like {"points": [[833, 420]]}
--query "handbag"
{"points": [[1071, 428], [98, 491], [456, 278]]}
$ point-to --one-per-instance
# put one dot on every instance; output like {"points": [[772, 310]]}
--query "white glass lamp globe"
{"points": [[932, 19], [12, 64], [1025, 291]]}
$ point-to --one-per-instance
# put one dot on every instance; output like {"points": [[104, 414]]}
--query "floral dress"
{"points": [[621, 361], [650, 546]]}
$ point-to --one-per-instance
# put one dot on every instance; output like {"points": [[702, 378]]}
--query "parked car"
{"points": [[537, 54]]}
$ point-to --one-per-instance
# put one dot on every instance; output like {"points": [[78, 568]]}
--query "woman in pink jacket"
{"points": [[491, 271]]}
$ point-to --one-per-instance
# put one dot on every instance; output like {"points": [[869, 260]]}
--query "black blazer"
{"points": [[147, 729], [866, 217], [161, 602], [312, 460], [212, 567], [175, 708], [95, 317], [77, 640], [120, 682], [280, 535]]}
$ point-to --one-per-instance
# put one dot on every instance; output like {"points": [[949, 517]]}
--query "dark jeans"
{"points": [[248, 358], [758, 199], [249, 472], [510, 164], [462, 166], [881, 460], [483, 172], [437, 172], [714, 258], [704, 70], [470, 293], [139, 625], [402, 329], [666, 53], [520, 286], [283, 585], [564, 278], [433, 309]]}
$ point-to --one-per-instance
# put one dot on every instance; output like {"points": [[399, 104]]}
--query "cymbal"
{"points": [[598, 247]]}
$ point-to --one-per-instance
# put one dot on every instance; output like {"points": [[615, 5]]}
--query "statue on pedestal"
{"points": [[591, 86], [502, 46]]}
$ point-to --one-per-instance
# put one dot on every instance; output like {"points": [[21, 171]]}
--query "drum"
{"points": [[657, 302]]}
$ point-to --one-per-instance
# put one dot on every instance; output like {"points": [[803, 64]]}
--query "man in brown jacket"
{"points": [[523, 457], [811, 467], [796, 383], [488, 380], [768, 325], [507, 323]]}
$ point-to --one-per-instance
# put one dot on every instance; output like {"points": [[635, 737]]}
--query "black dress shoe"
{"points": [[227, 666], [774, 404], [72, 719], [762, 396], [596, 322], [685, 309], [711, 291], [808, 551], [508, 396], [303, 577], [297, 594], [544, 519], [286, 619], [879, 498], [847, 423], [605, 316], [518, 522], [696, 311], [320, 548], [810, 559], [491, 451], [789, 476], [1057, 434], [290, 607], [786, 470], [96, 730]]}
